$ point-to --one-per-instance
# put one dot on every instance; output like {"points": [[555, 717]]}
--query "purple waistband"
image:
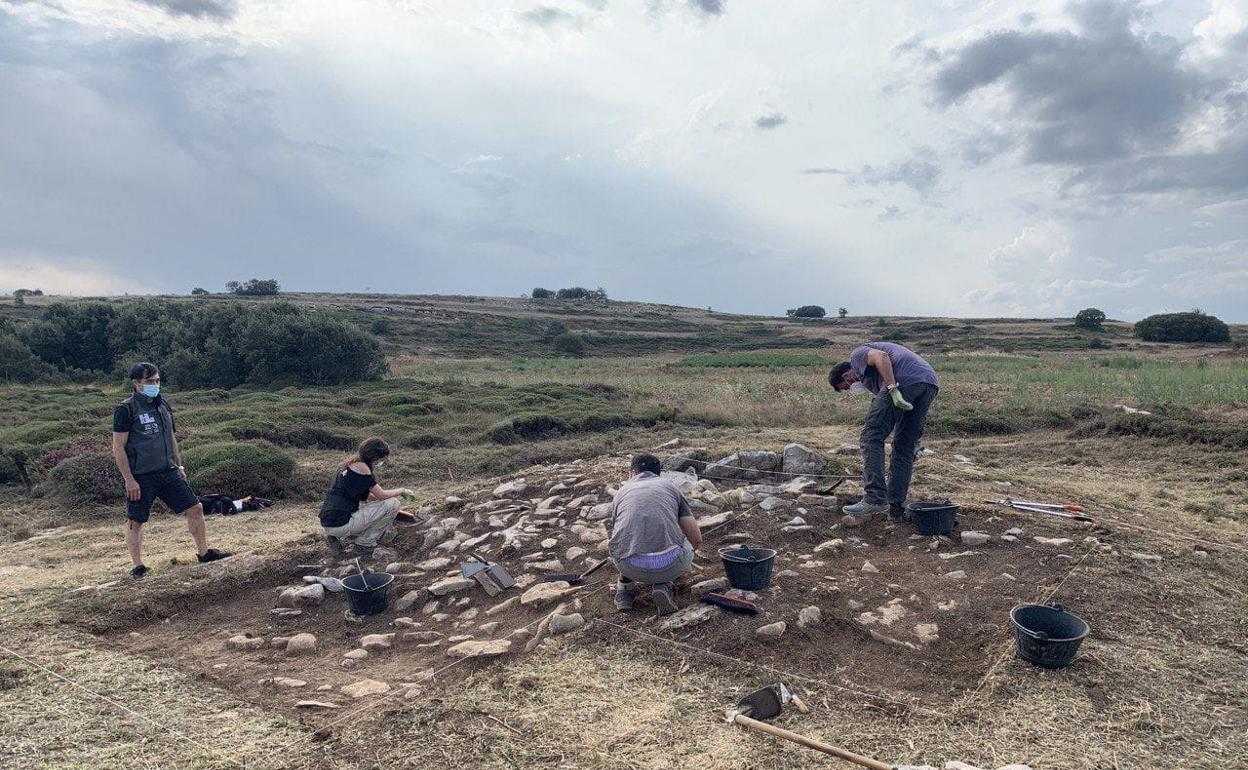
{"points": [[658, 560]]}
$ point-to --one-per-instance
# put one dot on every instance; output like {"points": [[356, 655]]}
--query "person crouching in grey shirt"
{"points": [[653, 535]]}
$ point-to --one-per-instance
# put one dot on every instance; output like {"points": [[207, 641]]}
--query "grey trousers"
{"points": [[370, 522], [656, 576], [881, 421]]}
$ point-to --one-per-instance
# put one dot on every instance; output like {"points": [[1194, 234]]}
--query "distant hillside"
{"points": [[467, 327]]}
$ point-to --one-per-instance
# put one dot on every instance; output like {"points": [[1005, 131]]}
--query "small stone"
{"points": [[514, 488], [279, 642], [561, 624], [436, 563], [421, 637], [502, 606], [704, 587], [301, 643], [1199, 554], [869, 567], [552, 565], [550, 542], [357, 654], [1015, 531], [489, 628], [975, 538], [307, 596], [316, 704], [927, 632], [450, 586], [1009, 538], [430, 608], [546, 593], [244, 642], [850, 520], [408, 600], [477, 649], [690, 616], [282, 681], [469, 614], [809, 616], [854, 604], [956, 575], [575, 554], [834, 544], [364, 688], [771, 630], [1140, 556], [374, 642], [774, 503], [1058, 541]]}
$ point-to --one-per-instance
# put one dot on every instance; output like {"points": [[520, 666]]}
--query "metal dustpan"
{"points": [[494, 578]]}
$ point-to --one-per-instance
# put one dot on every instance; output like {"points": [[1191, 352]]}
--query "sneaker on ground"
{"points": [[625, 595], [664, 602], [212, 554], [336, 548], [865, 506], [139, 571]]}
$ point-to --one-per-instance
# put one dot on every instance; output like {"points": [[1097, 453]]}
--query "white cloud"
{"points": [[78, 277]]}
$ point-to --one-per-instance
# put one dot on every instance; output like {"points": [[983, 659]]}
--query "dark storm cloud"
{"points": [[1104, 93], [547, 16], [773, 120], [221, 10]]}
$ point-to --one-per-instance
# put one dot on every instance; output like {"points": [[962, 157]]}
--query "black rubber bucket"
{"points": [[1047, 635], [933, 518], [748, 568], [368, 594]]}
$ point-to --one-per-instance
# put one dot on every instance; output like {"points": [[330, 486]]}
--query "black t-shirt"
{"points": [[345, 495]]}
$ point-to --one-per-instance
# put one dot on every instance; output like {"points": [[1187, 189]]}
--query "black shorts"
{"points": [[172, 490]]}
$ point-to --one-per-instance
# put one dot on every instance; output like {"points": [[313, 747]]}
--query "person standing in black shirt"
{"points": [[357, 507], [146, 451]]}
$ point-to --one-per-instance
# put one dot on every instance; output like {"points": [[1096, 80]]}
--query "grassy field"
{"points": [[475, 393]]}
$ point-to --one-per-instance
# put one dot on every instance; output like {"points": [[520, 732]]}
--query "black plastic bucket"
{"points": [[933, 518], [1047, 635], [748, 568], [368, 594]]}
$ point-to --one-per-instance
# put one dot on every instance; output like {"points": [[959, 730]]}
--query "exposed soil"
{"points": [[838, 659]]}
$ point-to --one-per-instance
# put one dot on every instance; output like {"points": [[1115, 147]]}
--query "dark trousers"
{"points": [[881, 421]]}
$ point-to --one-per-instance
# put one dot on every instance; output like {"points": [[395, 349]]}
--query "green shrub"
{"points": [[19, 364], [527, 427], [255, 287], [540, 293], [292, 431], [568, 345], [1194, 326], [73, 335], [207, 346], [1090, 318], [237, 468], [806, 311], [381, 327], [198, 291], [92, 476]]}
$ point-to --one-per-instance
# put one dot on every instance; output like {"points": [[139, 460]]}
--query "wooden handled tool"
{"points": [[769, 702], [810, 743]]}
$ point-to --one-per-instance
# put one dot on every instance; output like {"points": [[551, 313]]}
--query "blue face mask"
{"points": [[151, 391]]}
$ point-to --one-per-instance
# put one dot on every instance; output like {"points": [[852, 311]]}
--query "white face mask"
{"points": [[857, 387], [379, 463]]}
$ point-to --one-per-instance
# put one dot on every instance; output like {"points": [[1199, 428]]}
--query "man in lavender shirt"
{"points": [[904, 386]]}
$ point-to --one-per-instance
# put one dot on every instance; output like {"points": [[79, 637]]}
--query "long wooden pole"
{"points": [[826, 748]]}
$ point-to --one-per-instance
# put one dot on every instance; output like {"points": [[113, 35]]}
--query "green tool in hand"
{"points": [[898, 400]]}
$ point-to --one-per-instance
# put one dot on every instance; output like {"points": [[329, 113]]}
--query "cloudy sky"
{"points": [[920, 158]]}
